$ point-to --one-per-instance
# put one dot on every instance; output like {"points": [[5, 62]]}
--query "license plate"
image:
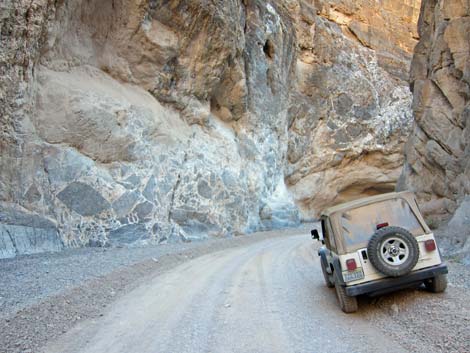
{"points": [[353, 275]]}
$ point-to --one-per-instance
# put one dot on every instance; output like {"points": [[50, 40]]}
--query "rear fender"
{"points": [[323, 258], [337, 273]]}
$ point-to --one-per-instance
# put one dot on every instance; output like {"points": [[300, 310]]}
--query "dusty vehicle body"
{"points": [[376, 245]]}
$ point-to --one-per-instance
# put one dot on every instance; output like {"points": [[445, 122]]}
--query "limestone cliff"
{"points": [[438, 152], [143, 121]]}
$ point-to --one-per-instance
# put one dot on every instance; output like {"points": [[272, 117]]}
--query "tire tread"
{"points": [[347, 304], [375, 242], [438, 284]]}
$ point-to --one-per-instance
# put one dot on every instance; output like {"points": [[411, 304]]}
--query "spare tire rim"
{"points": [[394, 251]]}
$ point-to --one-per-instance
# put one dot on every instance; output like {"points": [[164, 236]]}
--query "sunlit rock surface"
{"points": [[438, 152], [134, 122], [351, 110]]}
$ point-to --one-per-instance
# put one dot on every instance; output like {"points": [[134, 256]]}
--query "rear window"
{"points": [[360, 223]]}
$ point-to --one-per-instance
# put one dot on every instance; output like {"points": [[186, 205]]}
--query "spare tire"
{"points": [[393, 251]]}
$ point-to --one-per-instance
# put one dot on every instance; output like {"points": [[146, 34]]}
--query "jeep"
{"points": [[376, 245]]}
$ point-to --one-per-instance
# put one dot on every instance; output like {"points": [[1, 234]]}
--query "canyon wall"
{"points": [[351, 111], [145, 121], [438, 152]]}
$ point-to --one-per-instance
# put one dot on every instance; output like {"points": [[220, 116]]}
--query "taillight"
{"points": [[351, 264], [381, 225], [430, 245]]}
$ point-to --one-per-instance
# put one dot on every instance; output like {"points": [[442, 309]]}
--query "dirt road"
{"points": [[265, 297]]}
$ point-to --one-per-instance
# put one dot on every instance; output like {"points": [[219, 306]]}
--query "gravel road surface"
{"points": [[267, 297], [257, 293]]}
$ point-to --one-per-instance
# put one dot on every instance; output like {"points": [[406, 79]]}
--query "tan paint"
{"points": [[426, 259], [334, 213]]}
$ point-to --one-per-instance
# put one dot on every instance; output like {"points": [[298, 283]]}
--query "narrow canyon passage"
{"points": [[265, 297]]}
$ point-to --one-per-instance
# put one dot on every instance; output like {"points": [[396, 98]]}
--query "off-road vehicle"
{"points": [[376, 245]]}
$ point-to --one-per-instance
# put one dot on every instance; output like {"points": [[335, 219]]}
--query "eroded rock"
{"points": [[129, 234], [23, 232], [149, 121], [351, 113], [437, 153], [83, 199]]}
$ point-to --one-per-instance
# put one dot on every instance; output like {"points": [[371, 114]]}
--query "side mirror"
{"points": [[315, 234]]}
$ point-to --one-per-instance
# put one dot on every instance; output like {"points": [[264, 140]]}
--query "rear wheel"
{"points": [[328, 278], [347, 304], [437, 284]]}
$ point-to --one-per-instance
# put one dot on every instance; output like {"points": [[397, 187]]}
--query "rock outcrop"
{"points": [[438, 152], [143, 121], [351, 112], [138, 121]]}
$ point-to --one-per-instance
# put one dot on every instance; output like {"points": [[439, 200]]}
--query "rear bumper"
{"points": [[390, 284]]}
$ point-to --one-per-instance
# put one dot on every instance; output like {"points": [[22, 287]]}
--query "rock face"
{"points": [[438, 152], [351, 111], [162, 121], [137, 121], [22, 232]]}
